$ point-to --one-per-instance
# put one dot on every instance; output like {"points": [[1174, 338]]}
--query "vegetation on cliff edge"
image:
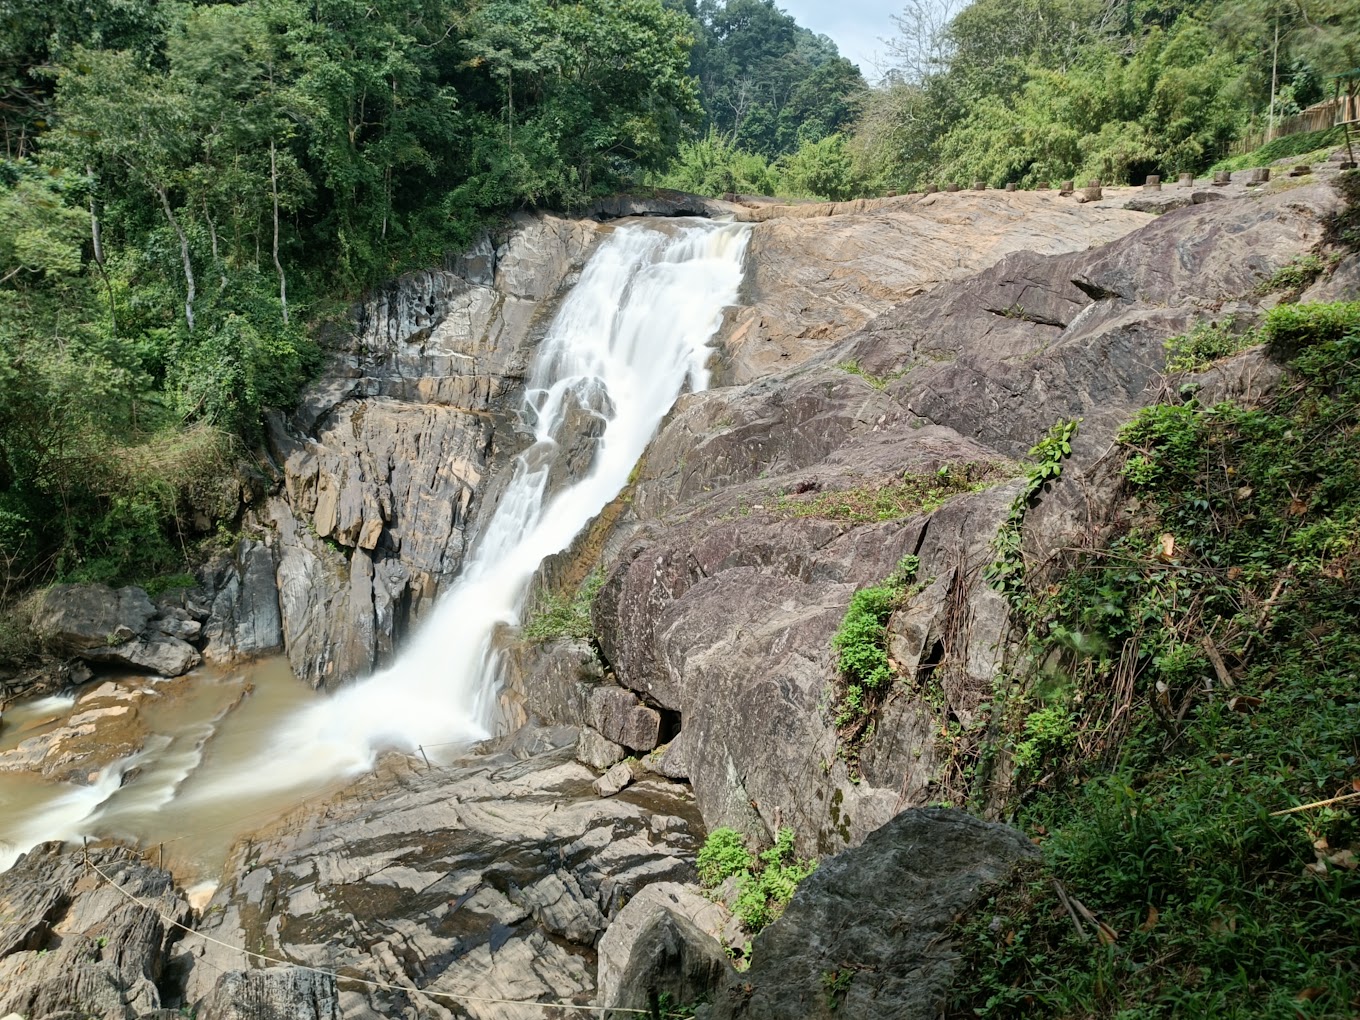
{"points": [[1195, 779]]}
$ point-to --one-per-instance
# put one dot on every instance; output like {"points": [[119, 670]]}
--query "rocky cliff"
{"points": [[887, 371]]}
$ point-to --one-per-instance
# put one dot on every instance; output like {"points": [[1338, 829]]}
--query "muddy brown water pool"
{"points": [[153, 763]]}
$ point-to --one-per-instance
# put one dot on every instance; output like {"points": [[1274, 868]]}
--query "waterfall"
{"points": [[630, 337]]}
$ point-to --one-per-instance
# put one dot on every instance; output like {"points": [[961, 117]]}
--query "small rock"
{"points": [[598, 752], [615, 780], [621, 717], [273, 992]]}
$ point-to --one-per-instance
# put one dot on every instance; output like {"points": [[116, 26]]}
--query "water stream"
{"points": [[631, 336]]}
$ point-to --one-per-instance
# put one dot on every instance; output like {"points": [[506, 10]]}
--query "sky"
{"points": [[855, 25]]}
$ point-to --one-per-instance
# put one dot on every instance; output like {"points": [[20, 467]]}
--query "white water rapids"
{"points": [[629, 338]]}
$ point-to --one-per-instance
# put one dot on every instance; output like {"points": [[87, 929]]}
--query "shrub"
{"points": [[723, 855], [1289, 329], [1205, 344], [559, 617], [765, 884]]}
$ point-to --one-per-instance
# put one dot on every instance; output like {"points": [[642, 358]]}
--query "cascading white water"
{"points": [[628, 339]]}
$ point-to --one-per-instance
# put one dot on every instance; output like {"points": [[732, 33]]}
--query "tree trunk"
{"points": [[217, 259], [184, 255], [274, 186], [97, 238]]}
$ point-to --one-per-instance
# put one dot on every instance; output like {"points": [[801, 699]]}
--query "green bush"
{"points": [[723, 855], [861, 642], [1288, 329], [559, 617], [765, 884], [1204, 344]]}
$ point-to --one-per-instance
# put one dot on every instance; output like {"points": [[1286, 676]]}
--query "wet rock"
{"points": [[550, 681], [71, 941], [597, 751], [244, 621], [878, 914], [615, 780], [621, 716], [386, 457], [275, 993], [664, 942]]}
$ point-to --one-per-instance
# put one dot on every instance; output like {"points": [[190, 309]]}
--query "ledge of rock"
{"points": [[73, 946]]}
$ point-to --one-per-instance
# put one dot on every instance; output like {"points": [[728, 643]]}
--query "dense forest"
{"points": [[189, 189]]}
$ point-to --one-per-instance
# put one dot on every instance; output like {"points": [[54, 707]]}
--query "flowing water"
{"points": [[630, 337]]}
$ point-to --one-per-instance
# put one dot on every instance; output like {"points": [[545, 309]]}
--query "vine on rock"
{"points": [[1006, 573]]}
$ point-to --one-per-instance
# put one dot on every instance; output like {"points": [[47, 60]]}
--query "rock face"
{"points": [[72, 945], [244, 620], [726, 581], [491, 878], [122, 628], [275, 993], [386, 459], [876, 915], [817, 272]]}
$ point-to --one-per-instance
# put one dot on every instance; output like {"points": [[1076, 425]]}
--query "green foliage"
{"points": [[722, 856], [1046, 732], [763, 895], [912, 494], [1213, 691], [862, 654], [192, 190], [1046, 90], [1006, 573], [559, 617], [1295, 277], [765, 882], [714, 166], [1289, 329], [768, 84], [1204, 344], [1306, 143]]}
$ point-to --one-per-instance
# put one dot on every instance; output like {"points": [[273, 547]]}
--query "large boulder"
{"points": [[75, 618], [664, 942], [119, 627], [244, 621], [77, 937], [865, 936]]}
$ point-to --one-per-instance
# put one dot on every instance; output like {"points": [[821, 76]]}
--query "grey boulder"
{"points": [[662, 943], [879, 913]]}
